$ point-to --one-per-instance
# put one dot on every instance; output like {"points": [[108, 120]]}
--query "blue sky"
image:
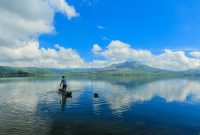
{"points": [[154, 25], [97, 33]]}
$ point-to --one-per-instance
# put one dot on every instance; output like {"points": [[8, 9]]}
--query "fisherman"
{"points": [[63, 83]]}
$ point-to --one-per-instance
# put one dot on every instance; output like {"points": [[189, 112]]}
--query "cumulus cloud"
{"points": [[96, 48], [31, 55], [62, 6], [118, 51], [22, 22], [26, 20], [195, 54]]}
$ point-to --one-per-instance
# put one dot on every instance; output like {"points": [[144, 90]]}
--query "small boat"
{"points": [[65, 93]]}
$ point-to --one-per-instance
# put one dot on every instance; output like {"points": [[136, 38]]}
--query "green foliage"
{"points": [[127, 69], [22, 72]]}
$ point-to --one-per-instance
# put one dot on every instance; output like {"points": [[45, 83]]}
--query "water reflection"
{"points": [[120, 97], [63, 100], [31, 103]]}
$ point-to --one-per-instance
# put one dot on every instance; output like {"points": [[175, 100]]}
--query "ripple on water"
{"points": [[150, 108]]}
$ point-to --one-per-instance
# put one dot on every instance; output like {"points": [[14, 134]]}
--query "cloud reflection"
{"points": [[121, 97], [118, 96]]}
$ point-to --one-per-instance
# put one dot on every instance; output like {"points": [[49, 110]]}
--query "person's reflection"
{"points": [[63, 101]]}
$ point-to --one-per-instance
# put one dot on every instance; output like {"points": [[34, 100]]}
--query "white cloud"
{"points": [[105, 38], [118, 51], [195, 54], [22, 22], [26, 20], [96, 48], [63, 7], [120, 97], [100, 27], [97, 64], [31, 55]]}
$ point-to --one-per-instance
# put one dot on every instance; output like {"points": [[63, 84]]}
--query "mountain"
{"points": [[192, 72], [131, 66], [126, 68]]}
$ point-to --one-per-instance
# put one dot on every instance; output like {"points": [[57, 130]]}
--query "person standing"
{"points": [[63, 83]]}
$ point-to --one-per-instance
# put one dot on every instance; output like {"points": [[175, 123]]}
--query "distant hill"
{"points": [[73, 70], [22, 71], [192, 72], [127, 68], [121, 67], [131, 66]]}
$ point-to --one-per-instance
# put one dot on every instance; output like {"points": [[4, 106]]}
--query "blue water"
{"points": [[124, 106]]}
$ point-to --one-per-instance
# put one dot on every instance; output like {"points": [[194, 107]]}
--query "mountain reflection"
{"points": [[35, 102], [122, 94], [118, 94]]}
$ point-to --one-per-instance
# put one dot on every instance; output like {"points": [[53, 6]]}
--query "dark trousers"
{"points": [[64, 87]]}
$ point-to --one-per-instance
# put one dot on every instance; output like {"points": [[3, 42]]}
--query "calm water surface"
{"points": [[124, 107]]}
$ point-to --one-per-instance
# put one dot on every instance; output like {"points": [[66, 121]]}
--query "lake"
{"points": [[142, 106]]}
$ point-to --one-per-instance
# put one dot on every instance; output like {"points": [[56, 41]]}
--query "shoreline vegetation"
{"points": [[123, 70], [96, 75]]}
